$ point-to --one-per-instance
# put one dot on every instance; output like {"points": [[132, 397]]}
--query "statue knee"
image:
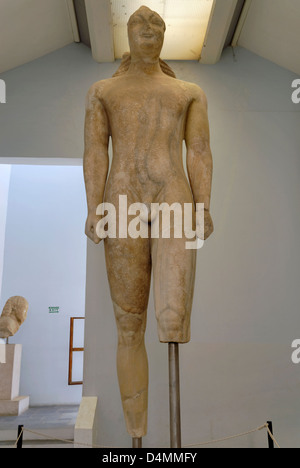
{"points": [[174, 325], [131, 326]]}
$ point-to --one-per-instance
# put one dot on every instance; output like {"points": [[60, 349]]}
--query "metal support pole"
{"points": [[174, 396], [137, 442], [20, 437], [270, 440]]}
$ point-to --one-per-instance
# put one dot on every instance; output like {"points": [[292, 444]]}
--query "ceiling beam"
{"points": [[73, 21], [81, 18], [218, 27], [241, 23], [101, 30]]}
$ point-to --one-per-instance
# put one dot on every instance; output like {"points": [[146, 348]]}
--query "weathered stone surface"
{"points": [[13, 315], [148, 113]]}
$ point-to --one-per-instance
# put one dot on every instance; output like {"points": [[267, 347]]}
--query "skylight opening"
{"points": [[186, 22]]}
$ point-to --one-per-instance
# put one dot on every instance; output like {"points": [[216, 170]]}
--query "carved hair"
{"points": [[125, 64]]}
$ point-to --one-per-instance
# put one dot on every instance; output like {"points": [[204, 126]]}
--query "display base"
{"points": [[14, 407], [10, 370], [85, 427], [11, 404]]}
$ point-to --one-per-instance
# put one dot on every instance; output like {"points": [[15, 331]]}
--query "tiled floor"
{"points": [[42, 416], [54, 421]]}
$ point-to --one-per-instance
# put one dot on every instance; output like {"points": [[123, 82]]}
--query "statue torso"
{"points": [[147, 118]]}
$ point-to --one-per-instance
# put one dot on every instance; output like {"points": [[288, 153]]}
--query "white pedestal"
{"points": [[85, 427], [10, 369], [14, 407]]}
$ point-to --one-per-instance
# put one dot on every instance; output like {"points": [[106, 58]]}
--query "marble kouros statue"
{"points": [[13, 315], [148, 113]]}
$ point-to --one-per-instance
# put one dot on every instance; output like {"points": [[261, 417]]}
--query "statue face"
{"points": [[145, 33]]}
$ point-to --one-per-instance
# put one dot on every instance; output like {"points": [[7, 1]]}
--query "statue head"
{"points": [[13, 315], [146, 30]]}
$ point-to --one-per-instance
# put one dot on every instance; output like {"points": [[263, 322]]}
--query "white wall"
{"points": [[5, 170], [31, 29], [45, 260], [236, 373], [271, 31], [44, 113]]}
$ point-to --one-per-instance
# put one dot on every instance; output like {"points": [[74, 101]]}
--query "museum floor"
{"points": [[53, 421]]}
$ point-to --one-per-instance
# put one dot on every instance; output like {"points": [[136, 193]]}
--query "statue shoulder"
{"points": [[97, 89], [195, 93]]}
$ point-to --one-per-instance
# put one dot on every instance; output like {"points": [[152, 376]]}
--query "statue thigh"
{"points": [[128, 264], [173, 283]]}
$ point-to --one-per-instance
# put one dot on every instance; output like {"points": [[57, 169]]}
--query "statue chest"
{"points": [[144, 102]]}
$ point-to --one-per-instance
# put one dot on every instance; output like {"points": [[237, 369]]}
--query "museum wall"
{"points": [[237, 370], [45, 261], [44, 113], [4, 187]]}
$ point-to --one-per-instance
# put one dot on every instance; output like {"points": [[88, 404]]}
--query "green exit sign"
{"points": [[53, 310]]}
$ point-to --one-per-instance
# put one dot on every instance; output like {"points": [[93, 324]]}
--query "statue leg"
{"points": [[174, 275], [129, 273], [173, 283]]}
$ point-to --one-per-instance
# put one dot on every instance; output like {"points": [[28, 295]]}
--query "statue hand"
{"points": [[90, 228], [208, 225]]}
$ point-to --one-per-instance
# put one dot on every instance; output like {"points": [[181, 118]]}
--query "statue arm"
{"points": [[199, 157], [95, 161]]}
